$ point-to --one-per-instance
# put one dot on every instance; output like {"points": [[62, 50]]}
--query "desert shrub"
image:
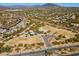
{"points": [[17, 49], [1, 44], [20, 45], [6, 49]]}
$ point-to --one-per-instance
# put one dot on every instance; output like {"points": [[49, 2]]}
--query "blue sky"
{"points": [[10, 4], [69, 4], [30, 4]]}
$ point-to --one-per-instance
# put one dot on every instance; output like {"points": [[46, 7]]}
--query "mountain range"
{"points": [[26, 6]]}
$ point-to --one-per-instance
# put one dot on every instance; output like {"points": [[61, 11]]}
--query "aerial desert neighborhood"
{"points": [[42, 29]]}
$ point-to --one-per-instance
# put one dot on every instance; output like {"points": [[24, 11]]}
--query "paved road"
{"points": [[76, 54], [37, 53], [18, 21], [46, 37]]}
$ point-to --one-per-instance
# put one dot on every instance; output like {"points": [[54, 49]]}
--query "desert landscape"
{"points": [[46, 30]]}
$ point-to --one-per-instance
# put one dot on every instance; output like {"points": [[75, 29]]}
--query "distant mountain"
{"points": [[47, 5], [3, 7], [50, 4], [17, 6], [27, 6], [13, 7]]}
